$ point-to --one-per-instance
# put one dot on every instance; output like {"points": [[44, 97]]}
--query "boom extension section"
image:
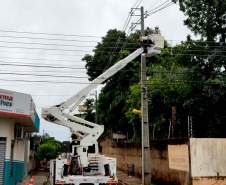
{"points": [[86, 133]]}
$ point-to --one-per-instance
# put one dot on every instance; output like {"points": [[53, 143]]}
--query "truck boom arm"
{"points": [[80, 96], [88, 132]]}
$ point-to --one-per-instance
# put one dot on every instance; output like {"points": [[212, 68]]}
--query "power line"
{"points": [[159, 6], [75, 50], [126, 21], [46, 49], [39, 66], [49, 34], [48, 54], [74, 82], [41, 59], [44, 81], [137, 3], [129, 43], [47, 81], [177, 52], [151, 12], [173, 82], [53, 39], [50, 67], [198, 55], [47, 39], [43, 75], [44, 71], [5, 63], [50, 95], [186, 71], [55, 72], [47, 44], [44, 38], [57, 49]]}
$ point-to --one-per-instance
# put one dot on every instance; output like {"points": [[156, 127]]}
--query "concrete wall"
{"points": [[170, 161], [19, 150], [159, 162], [160, 165], [15, 169], [208, 159], [7, 130], [124, 156]]}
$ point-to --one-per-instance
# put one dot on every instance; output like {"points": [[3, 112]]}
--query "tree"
{"points": [[206, 17], [133, 102], [105, 54], [48, 149], [121, 93], [188, 76], [167, 87], [114, 46], [89, 114], [206, 61]]}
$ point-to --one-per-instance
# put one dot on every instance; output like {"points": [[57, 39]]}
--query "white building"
{"points": [[18, 119]]}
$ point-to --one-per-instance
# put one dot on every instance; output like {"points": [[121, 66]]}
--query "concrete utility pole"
{"points": [[146, 168], [96, 107]]}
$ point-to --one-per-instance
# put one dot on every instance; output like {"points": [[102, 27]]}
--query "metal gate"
{"points": [[2, 158]]}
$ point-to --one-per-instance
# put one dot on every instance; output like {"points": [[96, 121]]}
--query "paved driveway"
{"points": [[38, 177]]}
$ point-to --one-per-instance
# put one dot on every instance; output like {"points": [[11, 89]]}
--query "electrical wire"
{"points": [[46, 49], [76, 50], [151, 12], [40, 66], [41, 71], [172, 82], [135, 6], [174, 52], [82, 36], [90, 46], [47, 44], [56, 49], [85, 77], [77, 67], [159, 6], [44, 81], [127, 21], [43, 75], [48, 39], [41, 53], [41, 59], [48, 34]]}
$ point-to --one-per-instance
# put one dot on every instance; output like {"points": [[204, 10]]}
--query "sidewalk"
{"points": [[124, 179], [39, 178]]}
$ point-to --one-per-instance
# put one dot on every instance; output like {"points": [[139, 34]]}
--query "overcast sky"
{"points": [[69, 17]]}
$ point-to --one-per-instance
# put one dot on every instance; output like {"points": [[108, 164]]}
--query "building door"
{"points": [[26, 160], [2, 158]]}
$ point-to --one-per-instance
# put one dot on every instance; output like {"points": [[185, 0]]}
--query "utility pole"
{"points": [[146, 168], [96, 107]]}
